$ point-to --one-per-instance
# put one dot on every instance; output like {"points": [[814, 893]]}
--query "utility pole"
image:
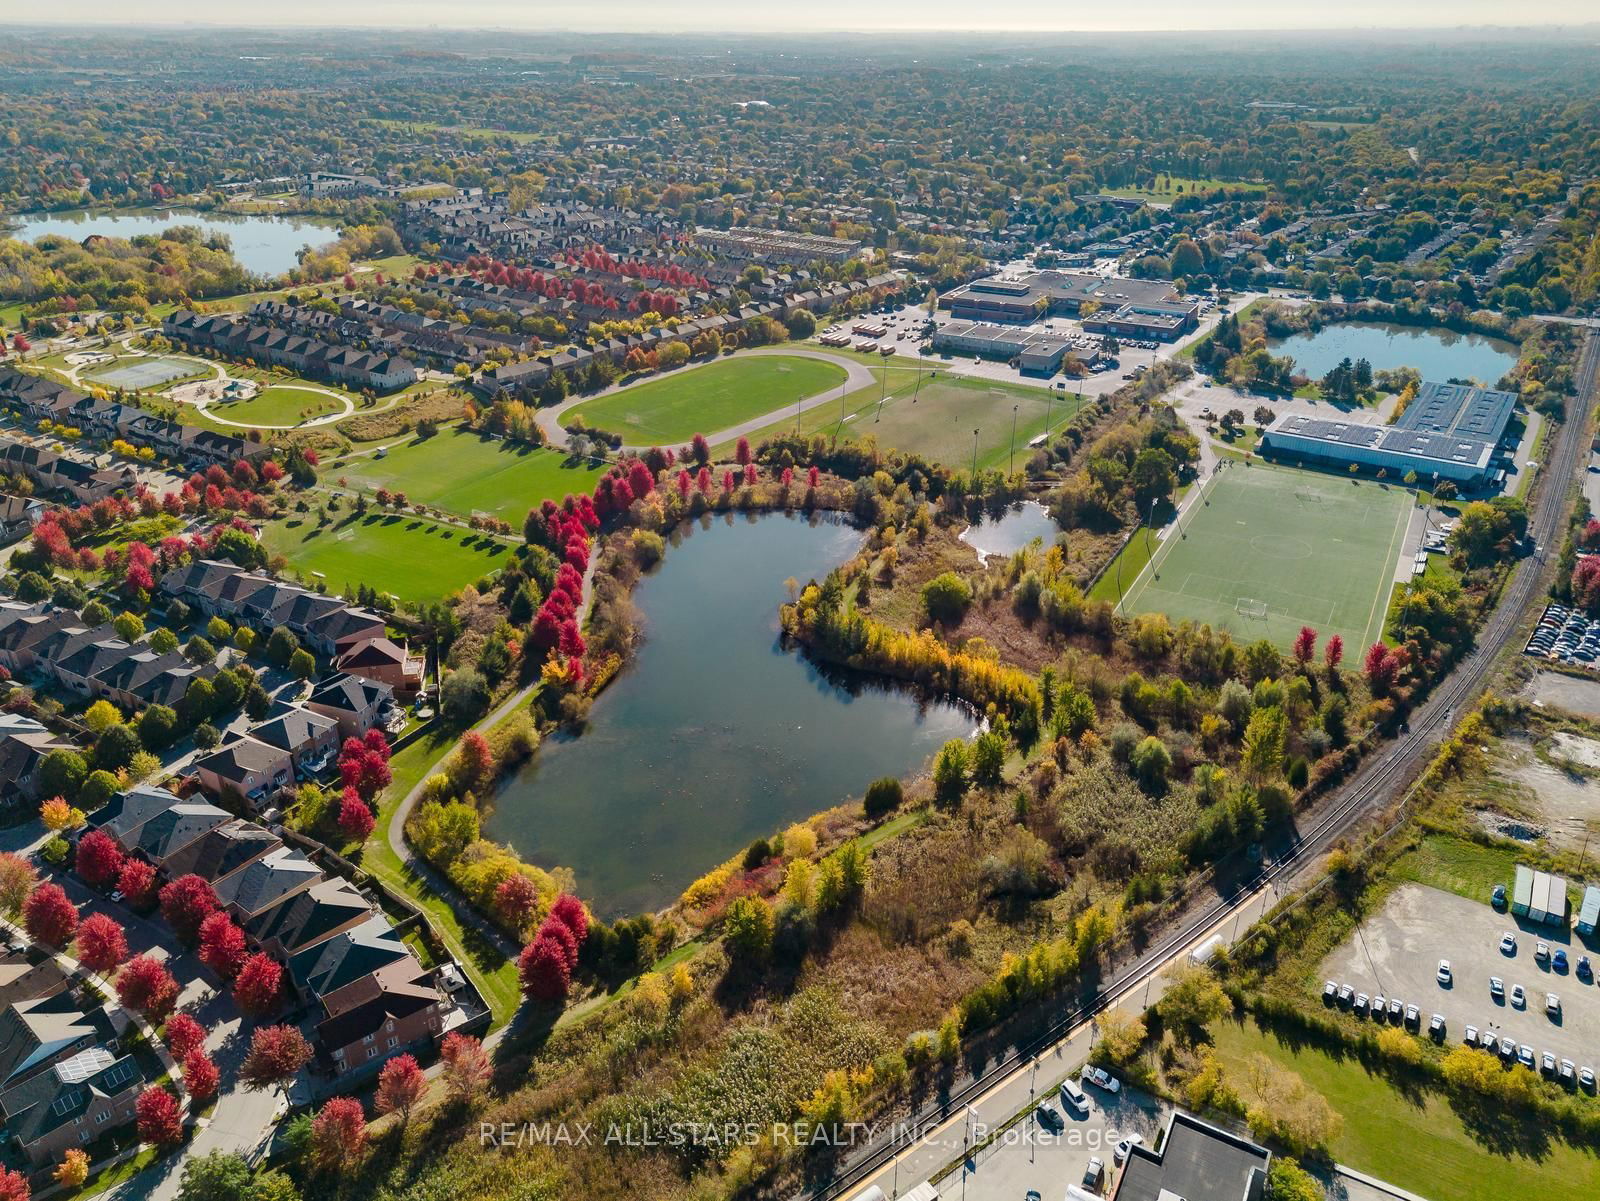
{"points": [[974, 454], [1049, 403], [1011, 463]]}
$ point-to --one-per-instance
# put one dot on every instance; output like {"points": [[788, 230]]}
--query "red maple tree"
{"points": [[401, 1084], [137, 883], [186, 903], [101, 943], [277, 1053], [338, 1135], [543, 969], [99, 859], [145, 985], [467, 1069], [222, 945], [159, 1120], [200, 1075], [259, 985], [355, 818], [50, 918], [184, 1034]]}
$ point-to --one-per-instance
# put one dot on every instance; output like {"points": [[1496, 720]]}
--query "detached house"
{"points": [[246, 768], [356, 704]]}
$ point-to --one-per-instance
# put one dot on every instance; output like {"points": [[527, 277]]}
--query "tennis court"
{"points": [[145, 373], [1272, 549]]}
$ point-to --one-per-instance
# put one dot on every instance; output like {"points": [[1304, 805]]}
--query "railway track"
{"points": [[1376, 782]]}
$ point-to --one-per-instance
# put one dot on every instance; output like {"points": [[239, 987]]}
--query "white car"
{"points": [[1508, 945], [1519, 999], [1444, 973], [1126, 1146], [1552, 1004], [1101, 1078], [1497, 987], [1073, 1097]]}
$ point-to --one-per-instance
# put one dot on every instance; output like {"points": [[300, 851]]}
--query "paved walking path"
{"points": [[856, 376]]}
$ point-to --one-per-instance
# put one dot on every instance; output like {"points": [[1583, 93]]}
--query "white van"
{"points": [[1073, 1097]]}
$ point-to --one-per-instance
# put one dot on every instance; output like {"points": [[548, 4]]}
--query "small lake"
{"points": [[1012, 530], [265, 245], [716, 734], [1440, 354]]}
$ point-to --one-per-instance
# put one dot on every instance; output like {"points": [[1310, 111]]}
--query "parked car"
{"points": [[1330, 993], [1525, 1055], [1568, 1073], [1101, 1078], [1547, 1064], [1444, 976], [1361, 1004], [1586, 1078], [1049, 1117], [1346, 995], [1413, 1015], [1126, 1146], [1541, 952], [1552, 1005], [1469, 1036], [1436, 1029], [1507, 1048], [1585, 972], [1519, 999], [1073, 1097], [1498, 897], [1558, 961], [1508, 944], [1497, 988], [1379, 1004], [1396, 1009], [1093, 1173], [1487, 1039]]}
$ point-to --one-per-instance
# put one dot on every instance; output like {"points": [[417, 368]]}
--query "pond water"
{"points": [[1440, 354], [265, 245], [716, 734], [1011, 530]]}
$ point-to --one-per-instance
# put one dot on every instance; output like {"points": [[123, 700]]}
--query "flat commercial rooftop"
{"points": [[1197, 1162]]}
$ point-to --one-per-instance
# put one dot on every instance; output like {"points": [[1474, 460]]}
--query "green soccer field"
{"points": [[413, 558], [702, 400], [465, 473], [936, 414], [1272, 549]]}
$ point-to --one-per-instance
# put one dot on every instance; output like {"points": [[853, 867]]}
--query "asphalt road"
{"points": [[1378, 782]]}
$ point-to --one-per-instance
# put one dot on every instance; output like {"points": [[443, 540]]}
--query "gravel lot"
{"points": [[1398, 952], [1571, 693]]}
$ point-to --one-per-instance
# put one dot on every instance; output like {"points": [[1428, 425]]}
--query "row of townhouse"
{"points": [[52, 642], [67, 1074], [38, 399], [310, 356], [359, 985], [297, 742], [63, 476], [324, 624]]}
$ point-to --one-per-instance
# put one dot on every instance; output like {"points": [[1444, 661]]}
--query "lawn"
{"points": [[464, 472], [1417, 1142], [411, 557], [280, 405], [1468, 869], [1272, 549], [703, 400], [1170, 187], [930, 412]]}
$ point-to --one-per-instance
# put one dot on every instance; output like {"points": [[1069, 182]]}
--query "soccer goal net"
{"points": [[1312, 498], [1246, 607]]}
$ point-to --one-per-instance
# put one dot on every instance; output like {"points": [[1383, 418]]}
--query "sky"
{"points": [[819, 15]]}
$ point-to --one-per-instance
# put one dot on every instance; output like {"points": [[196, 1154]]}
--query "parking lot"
{"points": [[1397, 953], [1566, 636], [1030, 1156]]}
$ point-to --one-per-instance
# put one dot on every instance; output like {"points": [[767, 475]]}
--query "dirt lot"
{"points": [[1398, 952], [1564, 803], [1575, 695]]}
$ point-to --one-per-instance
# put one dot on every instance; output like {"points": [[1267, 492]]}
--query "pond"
{"points": [[1440, 354], [1011, 530], [265, 245], [716, 734]]}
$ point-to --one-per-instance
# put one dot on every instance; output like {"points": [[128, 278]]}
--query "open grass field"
{"points": [[936, 416], [411, 557], [279, 405], [460, 471], [1417, 1141], [702, 400], [1169, 187], [1312, 549]]}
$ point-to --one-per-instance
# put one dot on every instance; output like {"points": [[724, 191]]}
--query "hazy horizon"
{"points": [[913, 16]]}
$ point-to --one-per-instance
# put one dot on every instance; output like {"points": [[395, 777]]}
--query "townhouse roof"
{"points": [[222, 851], [176, 827], [235, 761], [265, 881], [347, 957], [306, 918], [293, 729], [394, 992], [346, 693]]}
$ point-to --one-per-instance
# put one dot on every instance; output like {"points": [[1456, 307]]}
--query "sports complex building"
{"points": [[1036, 352], [1131, 308], [1449, 431]]}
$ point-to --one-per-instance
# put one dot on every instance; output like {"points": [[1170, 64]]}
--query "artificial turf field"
{"points": [[935, 416], [411, 557], [463, 472], [673, 408], [1316, 550]]}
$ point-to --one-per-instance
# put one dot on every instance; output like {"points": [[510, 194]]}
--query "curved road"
{"points": [[856, 376], [927, 1142]]}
